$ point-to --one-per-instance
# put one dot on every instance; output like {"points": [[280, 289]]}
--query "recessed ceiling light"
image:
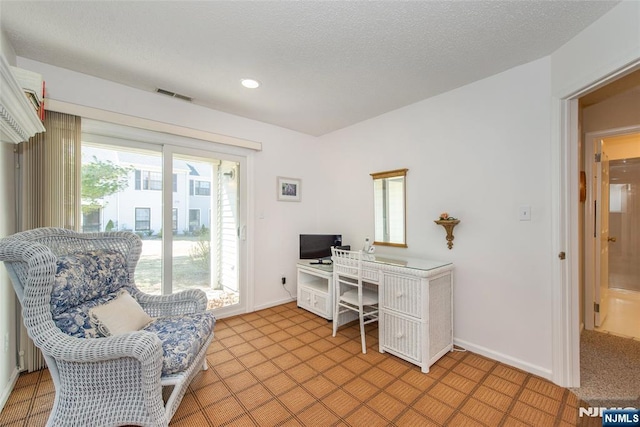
{"points": [[250, 83]]}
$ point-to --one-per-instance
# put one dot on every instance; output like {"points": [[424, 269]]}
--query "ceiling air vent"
{"points": [[174, 95]]}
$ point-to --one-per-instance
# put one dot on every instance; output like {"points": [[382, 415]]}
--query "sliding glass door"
{"points": [[186, 204], [205, 214]]}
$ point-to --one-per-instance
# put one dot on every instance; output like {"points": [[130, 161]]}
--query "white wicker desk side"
{"points": [[416, 313]]}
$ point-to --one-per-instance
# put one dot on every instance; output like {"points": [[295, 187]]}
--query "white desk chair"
{"points": [[350, 293]]}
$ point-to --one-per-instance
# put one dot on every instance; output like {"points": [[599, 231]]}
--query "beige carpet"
{"points": [[609, 370]]}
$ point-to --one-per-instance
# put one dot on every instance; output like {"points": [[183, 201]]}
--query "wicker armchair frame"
{"points": [[109, 381]]}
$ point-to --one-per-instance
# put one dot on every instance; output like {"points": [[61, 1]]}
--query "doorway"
{"points": [[612, 233], [568, 224], [623, 298], [624, 222]]}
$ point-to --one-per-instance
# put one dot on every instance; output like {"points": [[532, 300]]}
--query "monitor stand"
{"points": [[321, 262]]}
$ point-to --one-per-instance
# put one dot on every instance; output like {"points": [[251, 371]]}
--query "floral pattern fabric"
{"points": [[85, 280], [182, 338]]}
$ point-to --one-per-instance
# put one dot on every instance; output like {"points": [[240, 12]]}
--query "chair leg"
{"points": [[336, 318], [362, 336], [336, 306]]}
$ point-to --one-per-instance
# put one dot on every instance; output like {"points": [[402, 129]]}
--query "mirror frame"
{"points": [[393, 174]]}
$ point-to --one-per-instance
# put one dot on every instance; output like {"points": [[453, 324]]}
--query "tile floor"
{"points": [[623, 317], [282, 367]]}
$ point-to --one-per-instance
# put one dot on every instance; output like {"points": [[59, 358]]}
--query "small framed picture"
{"points": [[289, 189]]}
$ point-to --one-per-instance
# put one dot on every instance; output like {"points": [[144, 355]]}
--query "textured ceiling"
{"points": [[323, 65]]}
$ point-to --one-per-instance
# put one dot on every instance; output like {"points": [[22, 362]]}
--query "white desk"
{"points": [[415, 300]]}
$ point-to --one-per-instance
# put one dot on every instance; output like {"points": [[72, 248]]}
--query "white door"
{"points": [[602, 240], [206, 215], [209, 248]]}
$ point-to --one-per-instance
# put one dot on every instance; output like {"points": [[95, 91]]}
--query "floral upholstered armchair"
{"points": [[109, 347]]}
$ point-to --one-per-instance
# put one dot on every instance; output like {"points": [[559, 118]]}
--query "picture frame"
{"points": [[289, 189]]}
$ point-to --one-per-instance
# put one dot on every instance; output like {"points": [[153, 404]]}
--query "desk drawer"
{"points": [[403, 294], [402, 336]]}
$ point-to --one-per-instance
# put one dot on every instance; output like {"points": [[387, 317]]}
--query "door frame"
{"points": [[147, 138], [565, 230], [245, 303], [590, 255]]}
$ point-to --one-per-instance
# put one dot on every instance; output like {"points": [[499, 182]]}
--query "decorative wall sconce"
{"points": [[448, 223]]}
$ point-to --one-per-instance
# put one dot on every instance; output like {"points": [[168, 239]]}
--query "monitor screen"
{"points": [[318, 246]]}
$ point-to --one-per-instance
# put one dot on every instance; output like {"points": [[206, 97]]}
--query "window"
{"points": [[90, 219], [174, 219], [143, 219], [199, 188], [194, 220], [147, 180], [175, 182]]}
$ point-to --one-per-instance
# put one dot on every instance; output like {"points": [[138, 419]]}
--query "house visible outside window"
{"points": [[147, 180], [194, 219], [91, 219], [199, 188], [143, 219], [174, 219], [202, 234]]}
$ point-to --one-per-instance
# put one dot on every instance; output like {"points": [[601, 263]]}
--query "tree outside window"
{"points": [[99, 179]]}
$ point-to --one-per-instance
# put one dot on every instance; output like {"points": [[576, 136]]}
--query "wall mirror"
{"points": [[389, 199]]}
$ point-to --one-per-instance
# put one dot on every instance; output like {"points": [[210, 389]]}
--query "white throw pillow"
{"points": [[121, 315]]}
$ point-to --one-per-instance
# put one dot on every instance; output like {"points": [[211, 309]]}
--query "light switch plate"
{"points": [[524, 213]]}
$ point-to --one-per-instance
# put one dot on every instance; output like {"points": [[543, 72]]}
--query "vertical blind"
{"points": [[50, 175], [48, 193]]}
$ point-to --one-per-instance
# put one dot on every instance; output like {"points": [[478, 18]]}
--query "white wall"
{"points": [[609, 44], [624, 148], [479, 153]]}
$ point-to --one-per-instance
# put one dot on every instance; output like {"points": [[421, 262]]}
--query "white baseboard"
{"points": [[8, 388], [273, 304], [511, 361]]}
